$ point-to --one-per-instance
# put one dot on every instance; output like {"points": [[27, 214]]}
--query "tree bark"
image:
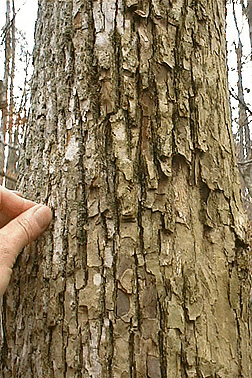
{"points": [[144, 271]]}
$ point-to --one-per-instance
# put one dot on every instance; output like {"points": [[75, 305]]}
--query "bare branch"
{"points": [[3, 174], [240, 101]]}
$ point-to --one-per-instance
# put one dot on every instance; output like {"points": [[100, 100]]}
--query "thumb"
{"points": [[21, 231], [16, 235]]}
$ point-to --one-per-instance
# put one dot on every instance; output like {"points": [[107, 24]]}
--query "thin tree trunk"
{"points": [[249, 15], [5, 87], [12, 157], [144, 271], [245, 142]]}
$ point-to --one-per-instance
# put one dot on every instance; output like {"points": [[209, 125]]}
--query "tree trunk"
{"points": [[12, 158], [9, 136], [4, 95], [144, 271], [249, 15], [244, 132]]}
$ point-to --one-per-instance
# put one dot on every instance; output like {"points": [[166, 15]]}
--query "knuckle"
{"points": [[4, 255], [6, 258], [26, 229]]}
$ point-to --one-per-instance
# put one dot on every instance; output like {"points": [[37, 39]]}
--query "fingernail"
{"points": [[43, 216]]}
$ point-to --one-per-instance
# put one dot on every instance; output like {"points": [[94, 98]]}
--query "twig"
{"points": [[241, 102], [7, 176], [12, 146], [244, 162]]}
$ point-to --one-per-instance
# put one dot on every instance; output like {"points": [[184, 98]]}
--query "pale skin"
{"points": [[21, 222]]}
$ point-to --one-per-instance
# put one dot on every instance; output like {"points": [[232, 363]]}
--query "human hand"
{"points": [[21, 222]]}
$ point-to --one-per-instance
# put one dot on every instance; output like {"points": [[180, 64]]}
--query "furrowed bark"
{"points": [[144, 271]]}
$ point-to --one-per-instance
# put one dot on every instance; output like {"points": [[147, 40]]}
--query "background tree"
{"points": [[5, 86], [239, 50], [12, 104], [249, 15], [144, 272]]}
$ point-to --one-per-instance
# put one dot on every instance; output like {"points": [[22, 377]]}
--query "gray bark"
{"points": [[144, 271]]}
